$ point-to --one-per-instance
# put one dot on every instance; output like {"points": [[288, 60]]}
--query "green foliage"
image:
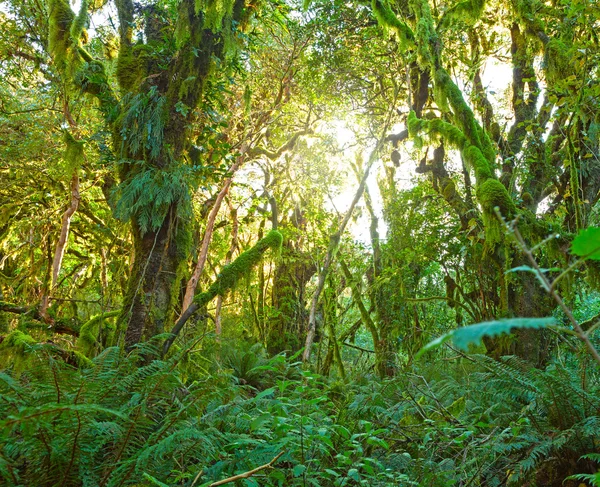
{"points": [[118, 422], [593, 479], [149, 193], [463, 337], [143, 123], [587, 243]]}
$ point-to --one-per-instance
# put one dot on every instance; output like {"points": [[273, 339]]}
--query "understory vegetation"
{"points": [[283, 243]]}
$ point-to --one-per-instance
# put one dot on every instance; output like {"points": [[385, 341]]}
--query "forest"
{"points": [[299, 243]]}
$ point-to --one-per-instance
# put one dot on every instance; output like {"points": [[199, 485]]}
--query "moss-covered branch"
{"points": [[227, 280], [467, 12], [388, 19], [75, 65], [89, 331]]}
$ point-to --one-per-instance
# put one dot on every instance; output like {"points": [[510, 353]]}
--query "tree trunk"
{"points": [[154, 282]]}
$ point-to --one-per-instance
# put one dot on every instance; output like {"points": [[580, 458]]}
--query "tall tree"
{"points": [[168, 57]]}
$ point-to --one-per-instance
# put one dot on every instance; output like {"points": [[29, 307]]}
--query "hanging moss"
{"points": [[388, 19], [436, 129], [79, 23], [427, 40], [557, 61], [448, 132], [232, 273], [463, 114], [59, 28], [216, 12], [73, 153], [467, 12], [492, 194]]}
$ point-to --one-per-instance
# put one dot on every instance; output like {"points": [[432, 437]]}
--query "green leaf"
{"points": [[432, 345], [298, 470], [587, 244], [353, 474], [472, 335], [154, 480]]}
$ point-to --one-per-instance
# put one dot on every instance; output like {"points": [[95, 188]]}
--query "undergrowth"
{"points": [[130, 420]]}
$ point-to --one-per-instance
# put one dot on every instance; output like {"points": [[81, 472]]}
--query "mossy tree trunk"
{"points": [[294, 269], [162, 78]]}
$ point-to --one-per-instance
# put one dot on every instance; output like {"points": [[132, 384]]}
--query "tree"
{"points": [[520, 170], [163, 76]]}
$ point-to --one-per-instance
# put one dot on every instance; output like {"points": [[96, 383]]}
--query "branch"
{"points": [[20, 310], [357, 347], [226, 280], [274, 155], [208, 233], [247, 474]]}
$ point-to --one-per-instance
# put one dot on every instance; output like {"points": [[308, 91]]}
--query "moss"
{"points": [[414, 124], [464, 116], [232, 273], [528, 12], [78, 25], [467, 12], [436, 129], [59, 28], [17, 340], [448, 132], [491, 195], [478, 163], [132, 66], [81, 361], [557, 61], [487, 148], [449, 191], [427, 40], [73, 152], [89, 331], [387, 19], [217, 12]]}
